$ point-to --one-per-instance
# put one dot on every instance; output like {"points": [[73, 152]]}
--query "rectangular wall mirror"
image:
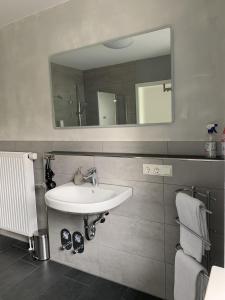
{"points": [[123, 82]]}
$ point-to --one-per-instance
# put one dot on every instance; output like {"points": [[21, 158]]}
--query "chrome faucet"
{"points": [[91, 176]]}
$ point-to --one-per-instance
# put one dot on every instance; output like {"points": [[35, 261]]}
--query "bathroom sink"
{"points": [[86, 198]]}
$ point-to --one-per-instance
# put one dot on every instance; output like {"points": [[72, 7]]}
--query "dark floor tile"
{"points": [[28, 258], [102, 289], [131, 294], [65, 288], [81, 277], [21, 245], [13, 275], [38, 282], [23, 278], [9, 257], [5, 242]]}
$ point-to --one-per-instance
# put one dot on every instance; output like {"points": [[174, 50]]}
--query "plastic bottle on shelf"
{"points": [[210, 145]]}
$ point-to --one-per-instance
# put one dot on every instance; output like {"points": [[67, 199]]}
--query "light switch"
{"points": [[157, 170]]}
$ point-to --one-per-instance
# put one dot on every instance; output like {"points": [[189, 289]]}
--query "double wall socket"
{"points": [[157, 170]]}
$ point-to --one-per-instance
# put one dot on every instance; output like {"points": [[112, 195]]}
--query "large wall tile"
{"points": [[125, 168], [63, 178], [172, 234], [217, 249], [186, 148], [146, 202], [217, 207], [169, 282], [77, 146], [35, 146], [133, 236], [7, 146], [68, 164], [59, 220], [209, 174], [135, 271], [41, 208], [135, 147], [88, 261]]}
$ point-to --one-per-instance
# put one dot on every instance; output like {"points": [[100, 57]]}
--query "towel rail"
{"points": [[195, 193], [194, 233], [208, 203]]}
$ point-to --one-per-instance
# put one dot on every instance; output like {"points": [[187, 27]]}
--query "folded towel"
{"points": [[191, 214], [189, 282]]}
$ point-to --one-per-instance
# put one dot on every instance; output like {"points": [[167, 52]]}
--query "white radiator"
{"points": [[17, 193]]}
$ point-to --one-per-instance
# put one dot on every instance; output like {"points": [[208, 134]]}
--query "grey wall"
{"points": [[121, 79], [136, 244], [199, 45]]}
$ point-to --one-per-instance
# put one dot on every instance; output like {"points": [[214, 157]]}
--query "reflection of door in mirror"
{"points": [[107, 108], [153, 101]]}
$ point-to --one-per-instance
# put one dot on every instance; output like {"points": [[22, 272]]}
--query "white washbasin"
{"points": [[86, 198]]}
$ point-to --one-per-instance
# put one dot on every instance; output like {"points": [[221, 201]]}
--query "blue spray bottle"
{"points": [[210, 145]]}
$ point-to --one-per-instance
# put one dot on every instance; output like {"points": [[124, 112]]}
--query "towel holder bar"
{"points": [[194, 233], [195, 193]]}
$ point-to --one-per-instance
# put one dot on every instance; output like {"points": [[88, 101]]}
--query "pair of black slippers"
{"points": [[76, 240]]}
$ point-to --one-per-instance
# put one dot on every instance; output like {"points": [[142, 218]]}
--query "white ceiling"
{"points": [[13, 10], [151, 44]]}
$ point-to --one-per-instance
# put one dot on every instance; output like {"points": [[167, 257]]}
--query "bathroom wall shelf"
{"points": [[135, 155]]}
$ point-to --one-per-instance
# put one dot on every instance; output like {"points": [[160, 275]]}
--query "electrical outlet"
{"points": [[157, 170]]}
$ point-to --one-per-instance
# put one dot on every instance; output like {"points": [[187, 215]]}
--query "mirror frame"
{"points": [[119, 125]]}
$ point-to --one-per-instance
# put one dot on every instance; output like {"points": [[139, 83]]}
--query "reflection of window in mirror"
{"points": [[153, 102]]}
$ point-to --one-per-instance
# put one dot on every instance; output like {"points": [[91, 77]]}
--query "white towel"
{"points": [[192, 215], [189, 283]]}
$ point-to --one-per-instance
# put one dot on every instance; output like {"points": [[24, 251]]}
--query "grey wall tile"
{"points": [[134, 271], [133, 236], [58, 220], [86, 146], [146, 202], [125, 168], [217, 207], [209, 174], [135, 147], [66, 164], [171, 239], [186, 148], [7, 146], [39, 176], [41, 208], [169, 282], [35, 146], [217, 250], [88, 261], [63, 178]]}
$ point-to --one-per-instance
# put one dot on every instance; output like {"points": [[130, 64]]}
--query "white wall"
{"points": [[199, 47]]}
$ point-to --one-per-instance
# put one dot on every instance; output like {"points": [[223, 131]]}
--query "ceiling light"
{"points": [[119, 44]]}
